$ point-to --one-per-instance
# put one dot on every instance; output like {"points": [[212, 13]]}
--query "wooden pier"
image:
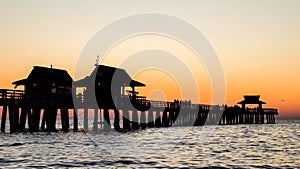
{"points": [[42, 117], [50, 93]]}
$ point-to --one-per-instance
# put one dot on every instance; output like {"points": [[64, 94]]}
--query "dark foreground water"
{"points": [[236, 146]]}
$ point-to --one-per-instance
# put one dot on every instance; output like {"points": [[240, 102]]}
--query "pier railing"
{"points": [[270, 111], [11, 94], [142, 100], [21, 107], [179, 104], [264, 110], [155, 103]]}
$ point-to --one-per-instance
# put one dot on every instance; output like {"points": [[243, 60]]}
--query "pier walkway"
{"points": [[41, 115]]}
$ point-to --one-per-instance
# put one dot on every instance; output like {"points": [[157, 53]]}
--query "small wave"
{"points": [[3, 161], [11, 145], [17, 144]]}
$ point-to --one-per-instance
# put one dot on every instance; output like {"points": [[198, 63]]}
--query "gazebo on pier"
{"points": [[251, 99], [257, 114]]}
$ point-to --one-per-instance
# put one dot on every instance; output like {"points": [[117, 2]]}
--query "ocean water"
{"points": [[231, 146]]}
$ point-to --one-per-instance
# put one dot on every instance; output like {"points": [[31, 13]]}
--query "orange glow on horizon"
{"points": [[257, 44]]}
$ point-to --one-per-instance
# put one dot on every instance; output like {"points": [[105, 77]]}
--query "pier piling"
{"points": [[3, 119]]}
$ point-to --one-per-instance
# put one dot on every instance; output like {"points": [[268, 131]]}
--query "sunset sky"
{"points": [[257, 42]]}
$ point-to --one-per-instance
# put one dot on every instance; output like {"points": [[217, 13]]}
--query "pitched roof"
{"points": [[251, 99], [107, 73], [46, 75], [135, 83]]}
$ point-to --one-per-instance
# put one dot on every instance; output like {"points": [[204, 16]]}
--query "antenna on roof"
{"points": [[97, 60]]}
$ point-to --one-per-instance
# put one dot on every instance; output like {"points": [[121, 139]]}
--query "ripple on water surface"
{"points": [[234, 146]]}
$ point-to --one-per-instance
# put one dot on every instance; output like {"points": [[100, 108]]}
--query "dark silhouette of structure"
{"points": [[257, 113], [45, 85], [108, 85], [48, 91], [45, 88]]}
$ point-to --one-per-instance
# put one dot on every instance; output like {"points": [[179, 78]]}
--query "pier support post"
{"points": [[209, 117], [143, 120], [65, 119], [46, 118], [193, 114], [182, 116], [126, 120], [188, 117], [226, 117], [268, 119], [24, 113], [16, 117], [262, 118], [150, 123], [35, 119], [157, 119], [52, 115], [252, 118], [175, 118], [117, 120], [95, 124], [106, 119], [179, 118], [85, 119], [171, 116], [239, 117], [135, 120], [13, 118], [273, 116], [75, 120], [198, 117], [3, 120], [30, 121], [43, 120], [256, 118], [165, 118]]}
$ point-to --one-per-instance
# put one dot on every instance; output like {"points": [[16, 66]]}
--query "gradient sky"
{"points": [[257, 41]]}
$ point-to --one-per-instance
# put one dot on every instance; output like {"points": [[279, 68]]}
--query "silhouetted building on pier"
{"points": [[45, 88], [251, 99], [256, 114], [110, 86], [45, 84]]}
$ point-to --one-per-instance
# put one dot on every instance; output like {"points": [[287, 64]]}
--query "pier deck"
{"points": [[41, 115]]}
